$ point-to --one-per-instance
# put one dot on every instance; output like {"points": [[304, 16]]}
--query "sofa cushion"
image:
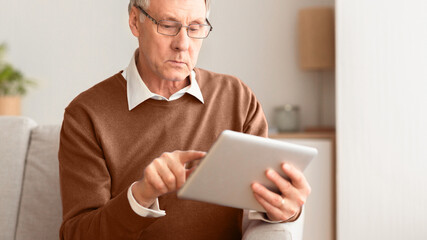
{"points": [[14, 138], [40, 214]]}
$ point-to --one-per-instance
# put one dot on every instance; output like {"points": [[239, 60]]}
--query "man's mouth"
{"points": [[177, 63]]}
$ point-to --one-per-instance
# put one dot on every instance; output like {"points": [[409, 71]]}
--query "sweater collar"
{"points": [[138, 92]]}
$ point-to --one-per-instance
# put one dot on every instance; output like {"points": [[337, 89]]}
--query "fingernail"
{"points": [[270, 172], [286, 166]]}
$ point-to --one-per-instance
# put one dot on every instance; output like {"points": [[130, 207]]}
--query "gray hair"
{"points": [[145, 3]]}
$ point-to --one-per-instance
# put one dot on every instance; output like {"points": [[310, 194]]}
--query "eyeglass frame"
{"points": [[157, 24]]}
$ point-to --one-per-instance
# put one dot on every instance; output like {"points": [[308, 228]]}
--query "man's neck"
{"points": [[157, 85]]}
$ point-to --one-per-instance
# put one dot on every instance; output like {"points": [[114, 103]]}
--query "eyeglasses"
{"points": [[172, 28]]}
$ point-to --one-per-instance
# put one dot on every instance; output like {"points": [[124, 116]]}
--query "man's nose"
{"points": [[181, 41]]}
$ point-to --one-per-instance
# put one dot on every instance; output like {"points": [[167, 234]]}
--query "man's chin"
{"points": [[176, 77]]}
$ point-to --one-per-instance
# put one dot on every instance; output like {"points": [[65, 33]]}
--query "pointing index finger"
{"points": [[188, 156]]}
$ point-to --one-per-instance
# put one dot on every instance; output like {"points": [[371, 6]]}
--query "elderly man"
{"points": [[126, 142]]}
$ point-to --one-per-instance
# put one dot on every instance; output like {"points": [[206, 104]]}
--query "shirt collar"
{"points": [[138, 92]]}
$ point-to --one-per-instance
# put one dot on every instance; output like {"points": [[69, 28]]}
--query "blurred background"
{"points": [[68, 46]]}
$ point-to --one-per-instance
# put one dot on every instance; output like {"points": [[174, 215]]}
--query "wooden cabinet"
{"points": [[320, 206]]}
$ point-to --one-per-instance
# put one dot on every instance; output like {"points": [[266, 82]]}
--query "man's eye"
{"points": [[194, 28], [168, 26]]}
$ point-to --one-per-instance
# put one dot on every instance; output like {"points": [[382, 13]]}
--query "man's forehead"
{"points": [[179, 9]]}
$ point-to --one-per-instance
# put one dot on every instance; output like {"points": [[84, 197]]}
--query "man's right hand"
{"points": [[163, 175]]}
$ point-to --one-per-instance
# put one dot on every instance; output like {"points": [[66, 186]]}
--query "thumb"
{"points": [[188, 172]]}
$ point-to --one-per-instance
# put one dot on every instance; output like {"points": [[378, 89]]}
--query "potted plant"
{"points": [[13, 85]]}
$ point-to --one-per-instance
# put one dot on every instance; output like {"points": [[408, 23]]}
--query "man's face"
{"points": [[170, 57]]}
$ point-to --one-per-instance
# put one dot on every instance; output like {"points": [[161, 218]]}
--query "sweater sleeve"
{"points": [[89, 211], [255, 122]]}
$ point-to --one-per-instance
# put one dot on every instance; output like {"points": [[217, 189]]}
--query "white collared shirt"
{"points": [[138, 92]]}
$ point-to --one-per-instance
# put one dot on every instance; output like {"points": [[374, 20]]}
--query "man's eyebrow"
{"points": [[199, 20], [168, 17]]}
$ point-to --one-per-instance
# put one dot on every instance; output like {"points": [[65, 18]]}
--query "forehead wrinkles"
{"points": [[183, 11]]}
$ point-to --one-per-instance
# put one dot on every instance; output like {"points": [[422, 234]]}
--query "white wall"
{"points": [[69, 46], [256, 41], [381, 119]]}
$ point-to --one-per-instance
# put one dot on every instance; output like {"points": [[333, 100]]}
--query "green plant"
{"points": [[12, 81]]}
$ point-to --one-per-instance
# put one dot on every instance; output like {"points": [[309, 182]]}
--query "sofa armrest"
{"points": [[257, 230], [14, 139]]}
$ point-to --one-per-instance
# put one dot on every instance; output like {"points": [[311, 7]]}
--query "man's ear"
{"points": [[134, 22]]}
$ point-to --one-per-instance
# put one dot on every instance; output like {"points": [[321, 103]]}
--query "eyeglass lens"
{"points": [[172, 28]]}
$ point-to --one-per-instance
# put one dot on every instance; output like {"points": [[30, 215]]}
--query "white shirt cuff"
{"points": [[153, 211], [254, 215]]}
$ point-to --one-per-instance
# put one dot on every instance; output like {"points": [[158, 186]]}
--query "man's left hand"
{"points": [[287, 206]]}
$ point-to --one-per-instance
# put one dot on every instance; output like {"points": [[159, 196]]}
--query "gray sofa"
{"points": [[30, 202]]}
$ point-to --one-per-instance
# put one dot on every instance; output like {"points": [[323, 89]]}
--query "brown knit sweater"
{"points": [[105, 147]]}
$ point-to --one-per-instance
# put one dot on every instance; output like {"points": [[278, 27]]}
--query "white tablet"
{"points": [[234, 162]]}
